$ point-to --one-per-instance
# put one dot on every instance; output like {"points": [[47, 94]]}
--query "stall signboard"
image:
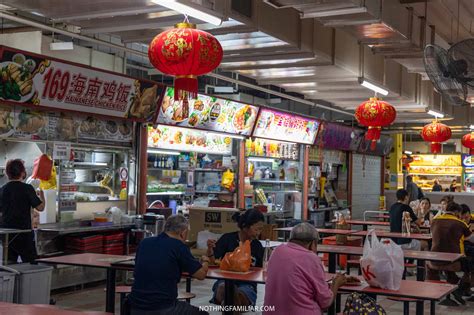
{"points": [[335, 136], [439, 164], [17, 122], [285, 127], [44, 82], [436, 160], [188, 140], [208, 113], [468, 161]]}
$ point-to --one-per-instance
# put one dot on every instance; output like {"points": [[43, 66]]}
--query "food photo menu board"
{"points": [[45, 82], [208, 113], [188, 140], [17, 122], [285, 127]]}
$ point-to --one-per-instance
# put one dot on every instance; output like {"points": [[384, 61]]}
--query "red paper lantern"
{"points": [[468, 141], [375, 114], [185, 53], [436, 133]]}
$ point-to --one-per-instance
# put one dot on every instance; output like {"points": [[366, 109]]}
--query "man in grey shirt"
{"points": [[413, 189]]}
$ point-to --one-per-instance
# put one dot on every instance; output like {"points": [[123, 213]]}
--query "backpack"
{"points": [[357, 303]]}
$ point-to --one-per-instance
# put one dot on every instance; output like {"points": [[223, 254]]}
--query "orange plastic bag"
{"points": [[238, 260], [42, 167]]}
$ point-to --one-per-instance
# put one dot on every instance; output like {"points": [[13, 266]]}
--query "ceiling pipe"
{"points": [[38, 25], [283, 95]]}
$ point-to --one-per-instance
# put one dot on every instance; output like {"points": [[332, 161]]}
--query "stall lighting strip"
{"points": [[188, 10], [435, 113], [163, 152], [254, 159], [471, 127], [373, 87], [408, 152]]}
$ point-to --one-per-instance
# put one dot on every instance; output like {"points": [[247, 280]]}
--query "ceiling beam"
{"points": [[139, 22], [312, 78], [285, 64], [110, 13], [268, 56]]}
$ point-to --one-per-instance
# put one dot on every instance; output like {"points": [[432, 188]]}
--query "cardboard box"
{"points": [[215, 220]]}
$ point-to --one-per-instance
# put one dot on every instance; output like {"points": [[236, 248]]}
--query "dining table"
{"points": [[92, 260]]}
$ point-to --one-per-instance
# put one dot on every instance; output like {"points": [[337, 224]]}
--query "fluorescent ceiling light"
{"points": [[408, 152], [336, 12], [435, 113], [373, 87], [163, 152], [471, 127], [61, 46], [262, 159], [188, 10]]}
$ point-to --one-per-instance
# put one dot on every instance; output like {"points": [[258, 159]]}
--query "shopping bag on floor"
{"points": [[238, 260], [357, 304], [382, 262]]}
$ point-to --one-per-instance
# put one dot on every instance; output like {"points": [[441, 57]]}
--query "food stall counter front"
{"points": [[193, 152], [276, 162], [425, 168]]}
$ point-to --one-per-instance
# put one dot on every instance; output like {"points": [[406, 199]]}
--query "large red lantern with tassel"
{"points": [[468, 141], [185, 53], [375, 114], [436, 133]]}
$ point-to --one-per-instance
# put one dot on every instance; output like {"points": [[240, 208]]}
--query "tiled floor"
{"points": [[94, 298]]}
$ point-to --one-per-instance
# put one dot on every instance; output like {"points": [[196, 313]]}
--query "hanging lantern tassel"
{"points": [[435, 147], [373, 134], [185, 86]]}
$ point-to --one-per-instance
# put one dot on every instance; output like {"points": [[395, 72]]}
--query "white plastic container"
{"points": [[33, 284]]}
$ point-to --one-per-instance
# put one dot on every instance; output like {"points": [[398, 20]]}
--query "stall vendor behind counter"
{"points": [[16, 201]]}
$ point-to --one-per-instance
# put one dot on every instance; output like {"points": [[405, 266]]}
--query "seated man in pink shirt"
{"points": [[296, 282]]}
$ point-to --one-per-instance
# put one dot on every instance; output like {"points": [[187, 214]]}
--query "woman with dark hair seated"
{"points": [[250, 225]]}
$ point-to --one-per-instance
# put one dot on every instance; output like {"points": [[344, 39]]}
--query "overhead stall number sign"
{"points": [[61, 150], [42, 81], [285, 127]]}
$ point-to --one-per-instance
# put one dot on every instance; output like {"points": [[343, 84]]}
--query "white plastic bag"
{"points": [[382, 262], [205, 235]]}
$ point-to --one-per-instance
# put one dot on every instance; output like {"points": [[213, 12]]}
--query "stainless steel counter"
{"points": [[12, 231], [68, 229]]}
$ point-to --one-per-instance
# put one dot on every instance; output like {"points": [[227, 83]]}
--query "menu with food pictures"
{"points": [[188, 140], [208, 113], [285, 127], [36, 80], [18, 122]]}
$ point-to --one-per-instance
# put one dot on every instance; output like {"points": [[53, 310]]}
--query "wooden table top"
{"points": [[320, 230], [85, 260], [379, 216], [22, 309], [408, 289], [362, 222], [412, 254], [253, 275], [380, 233]]}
